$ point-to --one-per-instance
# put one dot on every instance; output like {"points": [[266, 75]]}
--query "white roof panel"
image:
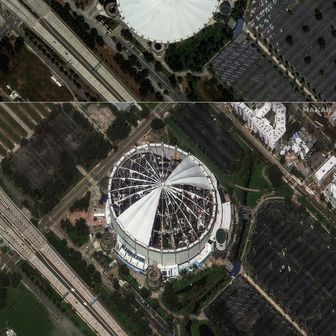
{"points": [[139, 217], [167, 20]]}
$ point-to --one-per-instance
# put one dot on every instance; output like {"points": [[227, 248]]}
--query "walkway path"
{"points": [[247, 189], [274, 304]]}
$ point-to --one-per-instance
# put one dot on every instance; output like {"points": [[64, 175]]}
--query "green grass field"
{"points": [[203, 328], [26, 315], [257, 182], [30, 77]]}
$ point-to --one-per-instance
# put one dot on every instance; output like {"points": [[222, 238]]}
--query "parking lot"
{"points": [[291, 257], [242, 67], [240, 310], [294, 28]]}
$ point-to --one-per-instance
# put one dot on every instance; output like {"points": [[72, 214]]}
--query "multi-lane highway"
{"points": [[39, 17], [22, 235]]}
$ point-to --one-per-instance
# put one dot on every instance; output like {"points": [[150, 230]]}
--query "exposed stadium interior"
{"points": [[165, 207]]}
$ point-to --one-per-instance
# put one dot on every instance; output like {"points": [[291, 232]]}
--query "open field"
{"points": [[291, 256], [26, 315], [191, 292], [30, 77], [45, 166], [11, 123], [240, 310], [17, 122]]}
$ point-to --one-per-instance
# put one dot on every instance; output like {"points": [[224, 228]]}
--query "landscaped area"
{"points": [[182, 56], [189, 293], [31, 78]]}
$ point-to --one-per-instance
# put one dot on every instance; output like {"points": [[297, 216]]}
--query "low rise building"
{"points": [[325, 170], [259, 120], [330, 193]]}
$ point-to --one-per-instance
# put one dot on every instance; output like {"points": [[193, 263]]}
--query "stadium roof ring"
{"points": [[163, 200], [167, 21]]}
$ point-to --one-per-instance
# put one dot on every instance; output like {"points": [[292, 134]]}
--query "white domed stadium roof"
{"points": [[163, 197], [167, 20]]}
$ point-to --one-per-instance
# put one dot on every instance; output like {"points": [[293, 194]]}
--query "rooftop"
{"points": [[167, 20], [162, 196]]}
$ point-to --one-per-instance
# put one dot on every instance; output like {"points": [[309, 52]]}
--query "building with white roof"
{"points": [[325, 170], [167, 21], [258, 120], [332, 119], [164, 206], [330, 192]]}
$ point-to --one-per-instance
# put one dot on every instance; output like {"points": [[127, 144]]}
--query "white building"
{"points": [[165, 208], [332, 119], [165, 21], [258, 120], [330, 193], [325, 170]]}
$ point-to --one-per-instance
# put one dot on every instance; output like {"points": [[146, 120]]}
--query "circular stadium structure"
{"points": [[167, 21], [164, 206]]}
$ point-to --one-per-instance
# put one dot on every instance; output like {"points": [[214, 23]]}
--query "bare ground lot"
{"points": [[294, 260], [45, 166], [276, 20]]}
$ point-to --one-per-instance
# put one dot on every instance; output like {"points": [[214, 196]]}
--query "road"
{"points": [[155, 76], [293, 181], [39, 17], [104, 167], [22, 235]]}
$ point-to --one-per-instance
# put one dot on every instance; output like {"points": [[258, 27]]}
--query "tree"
{"points": [[157, 124], [145, 292], [4, 63], [119, 129], [115, 284], [275, 176], [289, 39], [123, 269], [148, 56], [19, 44]]}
